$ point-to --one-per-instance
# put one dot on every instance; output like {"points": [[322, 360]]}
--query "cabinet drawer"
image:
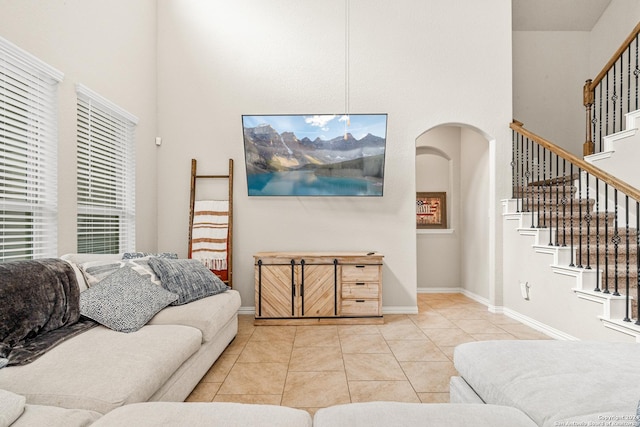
{"points": [[360, 273], [359, 307], [360, 290]]}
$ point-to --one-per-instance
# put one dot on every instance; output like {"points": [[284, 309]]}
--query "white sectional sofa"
{"points": [[553, 382], [15, 412], [386, 414], [107, 378], [100, 370], [173, 414]]}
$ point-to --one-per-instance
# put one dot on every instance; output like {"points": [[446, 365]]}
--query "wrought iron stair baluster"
{"points": [[557, 237], [587, 219], [606, 239], [627, 284], [564, 203], [580, 219], [616, 242], [571, 221], [537, 165], [597, 210], [529, 188]]}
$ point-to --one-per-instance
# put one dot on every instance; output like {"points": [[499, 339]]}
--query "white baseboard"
{"points": [[402, 309], [247, 310], [440, 290], [476, 297], [532, 323], [538, 326], [460, 290]]}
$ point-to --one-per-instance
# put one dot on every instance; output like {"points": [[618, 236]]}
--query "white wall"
{"points": [[438, 251], [109, 46], [474, 217], [550, 68], [613, 27], [549, 71], [423, 62]]}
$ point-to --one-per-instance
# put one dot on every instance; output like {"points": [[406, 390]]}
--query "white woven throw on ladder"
{"points": [[209, 233]]}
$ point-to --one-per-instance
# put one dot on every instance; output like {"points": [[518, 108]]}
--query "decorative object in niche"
{"points": [[431, 210], [315, 155]]}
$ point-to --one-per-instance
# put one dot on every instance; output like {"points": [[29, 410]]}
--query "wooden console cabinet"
{"points": [[316, 287]]}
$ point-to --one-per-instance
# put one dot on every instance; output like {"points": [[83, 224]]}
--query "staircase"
{"points": [[586, 219], [583, 212], [593, 241]]}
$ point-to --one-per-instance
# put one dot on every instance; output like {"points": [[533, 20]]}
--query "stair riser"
{"points": [[633, 294]]}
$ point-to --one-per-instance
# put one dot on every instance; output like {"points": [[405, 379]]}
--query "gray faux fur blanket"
{"points": [[39, 308]]}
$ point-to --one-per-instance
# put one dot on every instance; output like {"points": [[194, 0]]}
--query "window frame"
{"points": [[106, 174], [28, 155]]}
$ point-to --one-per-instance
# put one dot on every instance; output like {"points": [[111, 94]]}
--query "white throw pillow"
{"points": [[95, 271]]}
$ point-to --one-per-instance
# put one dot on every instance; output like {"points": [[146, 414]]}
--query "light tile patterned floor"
{"points": [[408, 359]]}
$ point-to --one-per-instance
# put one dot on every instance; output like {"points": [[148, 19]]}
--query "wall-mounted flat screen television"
{"points": [[315, 155]]}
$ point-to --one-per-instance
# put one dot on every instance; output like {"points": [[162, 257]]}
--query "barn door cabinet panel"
{"points": [[313, 287]]}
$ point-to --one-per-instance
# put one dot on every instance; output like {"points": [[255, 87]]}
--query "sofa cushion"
{"points": [[188, 278], [102, 369], [553, 380], [124, 301], [208, 314], [51, 416], [205, 414], [383, 414], [11, 407], [460, 392]]}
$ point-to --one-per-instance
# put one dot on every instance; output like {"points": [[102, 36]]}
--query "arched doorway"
{"points": [[455, 158]]}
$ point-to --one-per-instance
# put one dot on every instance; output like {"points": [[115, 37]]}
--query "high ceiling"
{"points": [[557, 15]]}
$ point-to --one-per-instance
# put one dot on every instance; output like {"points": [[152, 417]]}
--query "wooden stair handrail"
{"points": [[616, 183], [625, 44], [589, 89]]}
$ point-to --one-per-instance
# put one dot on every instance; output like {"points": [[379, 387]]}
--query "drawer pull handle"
{"points": [[359, 283], [359, 300], [360, 266]]}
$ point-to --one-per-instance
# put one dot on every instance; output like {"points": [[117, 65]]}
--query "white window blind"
{"points": [[28, 155], [106, 175]]}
